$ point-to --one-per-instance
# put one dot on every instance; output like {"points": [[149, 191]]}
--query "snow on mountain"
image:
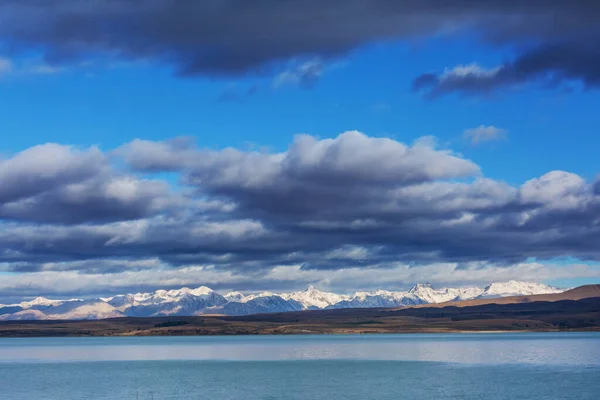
{"points": [[418, 294], [37, 302], [9, 309], [184, 301], [517, 288], [258, 305], [23, 315], [122, 301], [173, 302], [68, 309], [40, 301], [90, 309], [380, 298], [173, 295], [430, 295], [312, 298], [263, 294], [203, 300], [237, 297]]}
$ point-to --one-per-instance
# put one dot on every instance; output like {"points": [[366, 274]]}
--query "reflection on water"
{"points": [[528, 348]]}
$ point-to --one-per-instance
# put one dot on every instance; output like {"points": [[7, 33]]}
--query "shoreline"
{"points": [[154, 333]]}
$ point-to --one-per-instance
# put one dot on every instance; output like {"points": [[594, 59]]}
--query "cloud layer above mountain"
{"points": [[553, 41], [86, 220]]}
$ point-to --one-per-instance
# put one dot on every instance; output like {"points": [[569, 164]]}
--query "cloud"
{"points": [[552, 40], [30, 67], [130, 279], [377, 192], [548, 65], [466, 79], [149, 156], [556, 189], [62, 184], [349, 203], [483, 134], [100, 199], [304, 75], [104, 266], [42, 167], [350, 156]]}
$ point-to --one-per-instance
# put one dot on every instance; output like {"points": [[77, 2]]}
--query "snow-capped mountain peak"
{"points": [[39, 301], [419, 287], [203, 300], [516, 288], [201, 291], [236, 297], [312, 297], [428, 294], [263, 294]]}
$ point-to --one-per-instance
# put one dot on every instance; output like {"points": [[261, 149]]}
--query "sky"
{"points": [[252, 146]]}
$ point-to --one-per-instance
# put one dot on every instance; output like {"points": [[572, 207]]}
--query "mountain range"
{"points": [[203, 301]]}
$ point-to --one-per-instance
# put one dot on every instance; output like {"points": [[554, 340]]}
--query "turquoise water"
{"points": [[461, 366]]}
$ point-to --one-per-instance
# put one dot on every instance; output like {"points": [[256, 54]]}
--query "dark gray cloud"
{"points": [[554, 40], [60, 184], [103, 199], [352, 201], [102, 266], [393, 201], [377, 192], [549, 65], [44, 167], [597, 186]]}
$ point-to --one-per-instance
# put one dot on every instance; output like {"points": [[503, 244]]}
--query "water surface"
{"points": [[440, 366]]}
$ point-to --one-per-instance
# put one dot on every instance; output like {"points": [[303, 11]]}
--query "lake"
{"points": [[411, 366]]}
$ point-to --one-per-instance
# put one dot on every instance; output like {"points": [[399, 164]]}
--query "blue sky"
{"points": [[131, 91], [368, 90]]}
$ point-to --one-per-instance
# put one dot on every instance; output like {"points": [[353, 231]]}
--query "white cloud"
{"points": [[484, 133], [146, 275], [556, 189], [469, 70]]}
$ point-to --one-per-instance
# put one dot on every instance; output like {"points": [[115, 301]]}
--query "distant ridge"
{"points": [[558, 313], [205, 301], [578, 293]]}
